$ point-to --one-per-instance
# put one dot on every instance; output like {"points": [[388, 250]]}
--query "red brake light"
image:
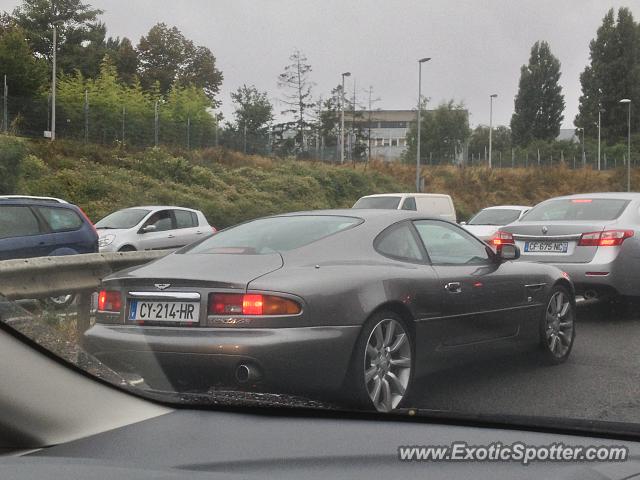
{"points": [[581, 200], [88, 220], [607, 238], [251, 304], [502, 238], [109, 301]]}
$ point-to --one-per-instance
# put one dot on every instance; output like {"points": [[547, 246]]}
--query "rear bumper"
{"points": [[291, 359]]}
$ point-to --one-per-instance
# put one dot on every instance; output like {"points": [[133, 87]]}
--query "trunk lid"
{"points": [[213, 270], [531, 237]]}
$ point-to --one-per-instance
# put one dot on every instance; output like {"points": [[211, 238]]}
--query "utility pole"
{"points": [[155, 124], [124, 113], [345, 74], [628, 102], [53, 83], [245, 138], [5, 113], [86, 116], [420, 62], [599, 123], [491, 97]]}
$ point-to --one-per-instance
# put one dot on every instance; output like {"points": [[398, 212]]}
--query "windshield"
{"points": [[390, 203], [123, 219], [269, 235], [496, 216], [264, 197], [579, 209]]}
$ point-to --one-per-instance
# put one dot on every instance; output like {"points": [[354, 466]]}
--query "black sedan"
{"points": [[356, 302]]}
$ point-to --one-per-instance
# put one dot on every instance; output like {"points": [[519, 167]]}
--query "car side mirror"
{"points": [[508, 251], [148, 228]]}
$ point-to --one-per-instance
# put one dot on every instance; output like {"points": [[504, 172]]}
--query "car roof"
{"points": [[507, 207], [413, 194], [32, 198], [160, 207], [364, 213], [610, 195]]}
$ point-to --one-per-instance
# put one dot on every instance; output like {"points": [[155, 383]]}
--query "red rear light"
{"points": [[501, 238], [251, 304], [88, 220], [213, 229], [109, 301], [607, 238], [581, 200]]}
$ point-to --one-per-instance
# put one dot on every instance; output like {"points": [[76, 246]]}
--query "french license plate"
{"points": [[141, 310], [546, 247]]}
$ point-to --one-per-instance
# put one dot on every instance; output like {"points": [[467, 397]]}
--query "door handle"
{"points": [[171, 236], [198, 233], [453, 287]]}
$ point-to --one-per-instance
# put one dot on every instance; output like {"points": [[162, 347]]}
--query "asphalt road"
{"points": [[600, 380]]}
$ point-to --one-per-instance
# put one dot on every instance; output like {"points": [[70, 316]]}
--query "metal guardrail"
{"points": [[51, 276]]}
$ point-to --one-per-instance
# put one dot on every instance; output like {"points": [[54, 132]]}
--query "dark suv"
{"points": [[42, 226]]}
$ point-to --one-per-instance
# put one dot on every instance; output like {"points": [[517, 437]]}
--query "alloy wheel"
{"points": [[559, 324], [387, 364]]}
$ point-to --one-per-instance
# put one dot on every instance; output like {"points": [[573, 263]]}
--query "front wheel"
{"points": [[557, 327], [382, 371], [60, 302]]}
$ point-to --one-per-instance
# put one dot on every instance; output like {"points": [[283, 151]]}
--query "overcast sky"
{"points": [[477, 46]]}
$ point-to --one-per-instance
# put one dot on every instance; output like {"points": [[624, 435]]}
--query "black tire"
{"points": [[559, 325], [393, 370], [60, 302], [127, 248]]}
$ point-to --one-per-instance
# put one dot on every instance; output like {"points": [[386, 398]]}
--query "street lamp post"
{"points": [[599, 129], [628, 102], [53, 83], [420, 62], [491, 97], [345, 74]]}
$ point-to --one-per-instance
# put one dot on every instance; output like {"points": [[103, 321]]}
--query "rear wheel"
{"points": [[59, 302], [382, 367], [557, 326], [127, 248]]}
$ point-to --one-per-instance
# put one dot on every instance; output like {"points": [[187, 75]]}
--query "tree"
{"points": [[253, 109], [612, 74], [297, 96], [26, 74], [500, 140], [166, 56], [80, 34], [539, 102], [443, 134], [125, 58]]}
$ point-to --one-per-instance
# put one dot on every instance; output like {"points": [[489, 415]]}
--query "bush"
{"points": [[12, 152]]}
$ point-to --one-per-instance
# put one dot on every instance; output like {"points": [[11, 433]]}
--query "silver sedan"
{"points": [[595, 238]]}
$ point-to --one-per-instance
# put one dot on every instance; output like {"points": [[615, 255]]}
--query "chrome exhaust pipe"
{"points": [[247, 373]]}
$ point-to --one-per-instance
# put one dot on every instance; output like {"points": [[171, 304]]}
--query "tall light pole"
{"points": [[599, 129], [420, 62], [53, 82], [491, 97], [628, 102], [345, 74]]}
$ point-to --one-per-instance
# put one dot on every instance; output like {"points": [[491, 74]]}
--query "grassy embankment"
{"points": [[231, 187]]}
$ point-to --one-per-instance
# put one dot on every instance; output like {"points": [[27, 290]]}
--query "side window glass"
{"points": [[60, 219], [17, 221], [161, 220], [450, 245], [399, 242], [184, 219], [194, 219], [409, 204]]}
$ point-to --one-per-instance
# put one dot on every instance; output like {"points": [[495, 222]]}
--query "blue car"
{"points": [[43, 226]]}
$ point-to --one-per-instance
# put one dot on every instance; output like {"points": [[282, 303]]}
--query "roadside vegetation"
{"points": [[230, 187]]}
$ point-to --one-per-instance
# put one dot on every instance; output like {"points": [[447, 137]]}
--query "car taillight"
{"points": [[86, 217], [607, 238], [251, 304], [109, 301], [213, 229], [501, 238]]}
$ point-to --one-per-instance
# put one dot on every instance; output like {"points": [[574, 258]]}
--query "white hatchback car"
{"points": [[151, 228], [486, 223]]}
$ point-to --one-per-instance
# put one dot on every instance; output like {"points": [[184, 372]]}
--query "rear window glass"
{"points": [[495, 216], [390, 203], [275, 234], [434, 205], [60, 219], [17, 221], [578, 209]]}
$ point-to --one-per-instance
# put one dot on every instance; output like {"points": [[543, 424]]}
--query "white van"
{"points": [[429, 204]]}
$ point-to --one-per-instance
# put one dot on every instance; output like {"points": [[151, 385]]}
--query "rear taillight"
{"points": [[251, 304], [109, 301], [607, 238], [213, 229], [501, 238], [86, 217]]}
